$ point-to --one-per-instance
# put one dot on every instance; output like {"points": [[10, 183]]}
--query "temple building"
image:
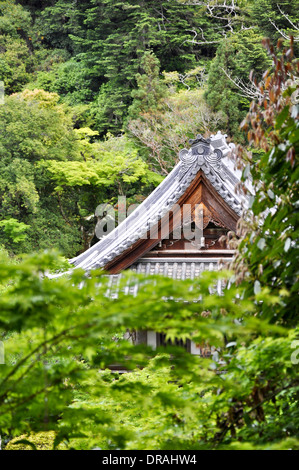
{"points": [[175, 232]]}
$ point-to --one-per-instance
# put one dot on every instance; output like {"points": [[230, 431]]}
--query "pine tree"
{"points": [[114, 38]]}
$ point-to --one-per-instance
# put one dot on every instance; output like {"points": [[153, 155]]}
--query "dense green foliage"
{"points": [[269, 244], [54, 176], [99, 98], [144, 76], [61, 334]]}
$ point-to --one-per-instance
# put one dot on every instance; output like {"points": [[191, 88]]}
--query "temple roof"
{"points": [[209, 157], [173, 268]]}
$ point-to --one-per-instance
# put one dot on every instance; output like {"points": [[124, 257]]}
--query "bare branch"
{"points": [[252, 91], [213, 5], [283, 34], [287, 17], [227, 13], [193, 41], [249, 90]]}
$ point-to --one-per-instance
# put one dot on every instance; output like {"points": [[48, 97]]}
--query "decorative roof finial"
{"points": [[199, 139]]}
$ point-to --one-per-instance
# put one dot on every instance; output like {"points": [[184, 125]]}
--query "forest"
{"points": [[99, 97]]}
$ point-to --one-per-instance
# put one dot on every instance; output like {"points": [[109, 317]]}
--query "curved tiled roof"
{"points": [[208, 155], [176, 268]]}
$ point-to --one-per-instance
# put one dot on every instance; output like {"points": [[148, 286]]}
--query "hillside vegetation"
{"points": [[101, 95]]}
